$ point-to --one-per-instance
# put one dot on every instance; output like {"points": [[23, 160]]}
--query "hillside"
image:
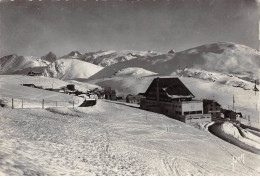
{"points": [[222, 78], [219, 57], [134, 72], [71, 68], [10, 87], [10, 64], [110, 139]]}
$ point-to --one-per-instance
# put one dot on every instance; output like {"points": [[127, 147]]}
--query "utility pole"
{"points": [[157, 91], [233, 102], [43, 104]]}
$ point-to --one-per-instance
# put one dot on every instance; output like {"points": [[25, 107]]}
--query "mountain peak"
{"points": [[73, 54], [51, 57], [9, 56], [171, 51]]}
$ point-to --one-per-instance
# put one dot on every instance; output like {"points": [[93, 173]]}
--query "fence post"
{"points": [[12, 103], [56, 103], [73, 104], [43, 104], [22, 103]]}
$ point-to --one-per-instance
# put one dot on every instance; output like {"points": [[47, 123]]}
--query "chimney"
{"points": [[157, 89]]}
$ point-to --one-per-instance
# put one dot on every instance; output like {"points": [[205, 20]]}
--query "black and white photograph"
{"points": [[129, 88]]}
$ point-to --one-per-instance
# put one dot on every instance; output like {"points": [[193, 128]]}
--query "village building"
{"points": [[232, 115], [31, 73], [29, 85], [71, 87], [212, 107], [110, 94], [134, 98], [169, 96]]}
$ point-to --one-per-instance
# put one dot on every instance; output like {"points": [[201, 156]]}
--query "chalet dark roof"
{"points": [[173, 87], [209, 101]]}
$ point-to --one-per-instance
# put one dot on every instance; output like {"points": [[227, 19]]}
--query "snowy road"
{"points": [[112, 139]]}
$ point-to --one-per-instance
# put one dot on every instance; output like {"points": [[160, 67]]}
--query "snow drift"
{"points": [[237, 136]]}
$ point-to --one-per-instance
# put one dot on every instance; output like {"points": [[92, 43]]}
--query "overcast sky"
{"points": [[35, 28]]}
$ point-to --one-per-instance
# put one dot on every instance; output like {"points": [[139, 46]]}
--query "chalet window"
{"points": [[199, 112], [186, 113], [193, 112]]}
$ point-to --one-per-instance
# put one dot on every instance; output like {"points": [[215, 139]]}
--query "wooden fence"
{"points": [[42, 103]]}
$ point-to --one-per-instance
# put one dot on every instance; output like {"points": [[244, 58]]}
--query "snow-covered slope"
{"points": [[10, 87], [71, 68], [134, 72], [224, 57], [14, 63], [107, 139], [222, 78], [111, 139]]}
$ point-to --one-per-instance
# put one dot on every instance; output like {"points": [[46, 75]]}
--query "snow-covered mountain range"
{"points": [[222, 57], [219, 57]]}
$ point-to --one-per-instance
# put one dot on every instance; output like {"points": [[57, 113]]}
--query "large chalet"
{"points": [[169, 96]]}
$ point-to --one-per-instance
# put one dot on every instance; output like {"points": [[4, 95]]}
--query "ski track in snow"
{"points": [[116, 140]]}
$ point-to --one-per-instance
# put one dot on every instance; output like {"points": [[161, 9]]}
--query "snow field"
{"points": [[112, 139], [32, 97]]}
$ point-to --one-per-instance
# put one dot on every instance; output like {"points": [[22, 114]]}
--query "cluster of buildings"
{"points": [[90, 96], [169, 96]]}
